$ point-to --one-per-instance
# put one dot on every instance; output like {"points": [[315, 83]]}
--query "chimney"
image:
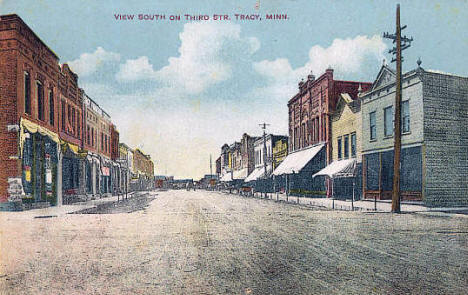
{"points": [[301, 84]]}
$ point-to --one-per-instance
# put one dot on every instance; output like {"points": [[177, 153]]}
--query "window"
{"points": [[51, 108], [73, 122], [388, 121], [353, 145], [40, 101], [373, 127], [27, 93], [92, 137], [339, 148], [405, 120], [102, 141], [346, 146], [87, 135], [63, 115], [69, 117]]}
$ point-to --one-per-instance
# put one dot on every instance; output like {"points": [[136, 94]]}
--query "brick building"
{"points": [[57, 144], [434, 117], [70, 133], [310, 130], [310, 109], [144, 168], [29, 117]]}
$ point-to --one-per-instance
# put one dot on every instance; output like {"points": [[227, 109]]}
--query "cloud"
{"points": [[347, 57], [136, 69], [205, 58], [89, 63]]}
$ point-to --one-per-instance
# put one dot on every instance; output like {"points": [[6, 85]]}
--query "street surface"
{"points": [[202, 242]]}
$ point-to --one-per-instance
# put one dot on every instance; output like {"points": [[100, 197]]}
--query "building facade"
{"points": [[346, 144], [310, 109], [144, 168], [280, 151], [58, 145], [434, 137], [29, 89]]}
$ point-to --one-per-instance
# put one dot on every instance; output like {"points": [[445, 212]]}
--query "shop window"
{"points": [[372, 171], [27, 93]]}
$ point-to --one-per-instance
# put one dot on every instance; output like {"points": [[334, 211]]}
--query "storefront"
{"points": [[73, 172], [294, 174], [105, 170], [39, 163]]}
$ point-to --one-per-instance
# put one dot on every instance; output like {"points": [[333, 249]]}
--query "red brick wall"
{"points": [[70, 96], [115, 154], [310, 108], [21, 50]]}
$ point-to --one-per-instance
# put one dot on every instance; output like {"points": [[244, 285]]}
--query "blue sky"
{"points": [[179, 90]]}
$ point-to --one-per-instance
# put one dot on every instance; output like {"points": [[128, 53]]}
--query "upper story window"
{"points": [[63, 116], [51, 108], [346, 146], [372, 126], [40, 100], [339, 143], [27, 93], [388, 121], [405, 116], [353, 145]]}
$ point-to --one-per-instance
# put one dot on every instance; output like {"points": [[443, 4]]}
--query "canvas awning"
{"points": [[240, 174], [337, 169], [296, 161], [26, 125], [226, 177], [256, 174]]}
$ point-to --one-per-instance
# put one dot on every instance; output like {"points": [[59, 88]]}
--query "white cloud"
{"points": [[136, 69], [202, 58], [89, 63], [344, 56]]}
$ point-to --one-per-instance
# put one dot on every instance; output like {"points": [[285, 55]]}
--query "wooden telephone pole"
{"points": [[264, 126], [398, 39]]}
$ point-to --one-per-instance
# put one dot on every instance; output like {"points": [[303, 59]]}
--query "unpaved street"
{"points": [[212, 243]]}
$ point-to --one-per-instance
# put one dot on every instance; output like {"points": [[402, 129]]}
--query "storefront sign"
{"points": [[15, 189], [105, 171]]}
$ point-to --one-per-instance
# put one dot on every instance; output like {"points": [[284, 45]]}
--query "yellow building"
{"points": [[343, 173], [280, 151], [346, 129]]}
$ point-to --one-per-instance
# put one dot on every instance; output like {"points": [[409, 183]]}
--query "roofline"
{"points": [[15, 16]]}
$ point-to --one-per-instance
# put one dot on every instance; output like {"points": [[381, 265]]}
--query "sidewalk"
{"points": [[55, 211], [361, 205]]}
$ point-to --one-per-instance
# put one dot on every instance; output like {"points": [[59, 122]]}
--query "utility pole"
{"points": [[264, 126], [211, 173], [211, 168], [398, 39]]}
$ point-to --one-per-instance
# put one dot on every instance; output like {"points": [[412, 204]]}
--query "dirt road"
{"points": [[211, 243]]}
